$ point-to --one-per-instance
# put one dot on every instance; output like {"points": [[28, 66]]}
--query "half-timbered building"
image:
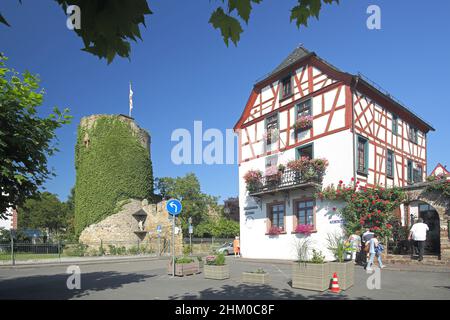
{"points": [[363, 132]]}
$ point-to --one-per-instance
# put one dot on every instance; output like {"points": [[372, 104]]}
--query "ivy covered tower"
{"points": [[112, 161]]}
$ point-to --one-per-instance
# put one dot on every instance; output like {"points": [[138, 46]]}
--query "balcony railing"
{"points": [[289, 179]]}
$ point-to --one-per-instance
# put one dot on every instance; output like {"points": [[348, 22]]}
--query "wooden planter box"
{"points": [[258, 278], [184, 269], [311, 276], [216, 272], [345, 272]]}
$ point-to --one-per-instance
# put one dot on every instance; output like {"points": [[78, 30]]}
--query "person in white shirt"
{"points": [[418, 234]]}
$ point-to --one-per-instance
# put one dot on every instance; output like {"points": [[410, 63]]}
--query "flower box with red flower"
{"points": [[273, 175], [303, 123], [306, 229], [253, 179], [275, 231]]}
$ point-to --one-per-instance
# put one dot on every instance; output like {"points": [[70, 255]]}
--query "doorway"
{"points": [[431, 218]]}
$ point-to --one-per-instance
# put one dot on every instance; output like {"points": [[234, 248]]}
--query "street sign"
{"points": [[174, 207], [191, 229]]}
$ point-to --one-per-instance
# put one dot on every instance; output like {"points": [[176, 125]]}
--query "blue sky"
{"points": [[183, 71]]}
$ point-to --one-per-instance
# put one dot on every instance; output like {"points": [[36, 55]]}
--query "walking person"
{"points": [[375, 249], [418, 234], [355, 245], [237, 247], [367, 235]]}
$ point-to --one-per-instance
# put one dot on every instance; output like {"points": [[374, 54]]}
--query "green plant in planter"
{"points": [[336, 244], [302, 249], [317, 257], [183, 260], [260, 271]]}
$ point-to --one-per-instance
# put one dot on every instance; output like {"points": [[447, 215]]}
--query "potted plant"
{"points": [[281, 168], [215, 267], [259, 276], [310, 273], [344, 269], [184, 266], [253, 180], [303, 123]]}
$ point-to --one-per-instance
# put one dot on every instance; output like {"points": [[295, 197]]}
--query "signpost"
{"points": [[191, 231], [174, 208], [158, 231]]}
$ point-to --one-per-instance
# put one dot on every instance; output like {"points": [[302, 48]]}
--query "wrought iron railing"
{"points": [[287, 179]]}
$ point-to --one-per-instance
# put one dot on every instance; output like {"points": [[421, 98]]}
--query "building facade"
{"points": [[363, 133]]}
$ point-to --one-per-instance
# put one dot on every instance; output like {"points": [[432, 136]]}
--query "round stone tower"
{"points": [[112, 162]]}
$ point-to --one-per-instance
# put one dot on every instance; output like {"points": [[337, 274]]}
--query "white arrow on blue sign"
{"points": [[174, 207]]}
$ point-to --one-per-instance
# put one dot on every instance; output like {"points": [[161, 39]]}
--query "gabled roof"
{"points": [[444, 168], [300, 54]]}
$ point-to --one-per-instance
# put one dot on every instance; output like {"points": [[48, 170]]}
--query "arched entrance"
{"points": [[434, 208], [430, 217]]}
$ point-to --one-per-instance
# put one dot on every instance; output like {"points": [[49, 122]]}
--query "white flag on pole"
{"points": [[131, 99]]}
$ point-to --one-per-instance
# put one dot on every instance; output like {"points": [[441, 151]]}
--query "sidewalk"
{"points": [[391, 267], [77, 260]]}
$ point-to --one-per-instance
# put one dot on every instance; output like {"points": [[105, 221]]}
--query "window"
{"points": [[413, 135], [362, 155], [304, 211], [304, 109], [410, 171], [418, 173], [286, 89], [272, 129], [276, 215], [394, 124], [306, 151], [390, 164]]}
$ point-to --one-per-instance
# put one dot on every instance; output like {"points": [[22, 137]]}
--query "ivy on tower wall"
{"points": [[112, 164]]}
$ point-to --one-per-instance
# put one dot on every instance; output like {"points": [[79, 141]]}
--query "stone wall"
{"points": [[123, 228]]}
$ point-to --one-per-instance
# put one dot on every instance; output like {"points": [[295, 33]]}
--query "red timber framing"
{"points": [[367, 109]]}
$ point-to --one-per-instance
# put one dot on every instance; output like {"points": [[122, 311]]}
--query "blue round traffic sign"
{"points": [[174, 207]]}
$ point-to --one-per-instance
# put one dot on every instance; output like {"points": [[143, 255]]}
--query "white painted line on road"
{"points": [[284, 274]]}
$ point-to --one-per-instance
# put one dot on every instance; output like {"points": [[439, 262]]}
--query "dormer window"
{"points": [[286, 87]]}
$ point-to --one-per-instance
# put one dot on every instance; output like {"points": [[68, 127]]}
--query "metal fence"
{"points": [[10, 251]]}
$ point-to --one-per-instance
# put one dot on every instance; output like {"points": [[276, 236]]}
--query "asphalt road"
{"points": [[148, 280]]}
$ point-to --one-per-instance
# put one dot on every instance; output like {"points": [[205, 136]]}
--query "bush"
{"points": [[77, 250], [117, 251], [187, 250]]}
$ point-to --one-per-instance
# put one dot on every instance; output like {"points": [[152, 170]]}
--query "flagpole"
{"points": [[131, 101]]}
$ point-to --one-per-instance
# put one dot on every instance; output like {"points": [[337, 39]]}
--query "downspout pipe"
{"points": [[353, 90]]}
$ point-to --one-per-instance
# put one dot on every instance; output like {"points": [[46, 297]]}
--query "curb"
{"points": [[24, 265]]}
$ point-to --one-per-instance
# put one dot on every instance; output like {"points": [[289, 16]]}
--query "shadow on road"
{"points": [[55, 287], [258, 292]]}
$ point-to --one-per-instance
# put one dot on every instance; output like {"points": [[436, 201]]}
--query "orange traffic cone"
{"points": [[335, 284]]}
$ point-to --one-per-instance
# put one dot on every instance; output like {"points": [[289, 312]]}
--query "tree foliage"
{"points": [[196, 204], [108, 26], [45, 212], [26, 139], [113, 166]]}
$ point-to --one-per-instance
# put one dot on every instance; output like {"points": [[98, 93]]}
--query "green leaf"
{"points": [[230, 27]]}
